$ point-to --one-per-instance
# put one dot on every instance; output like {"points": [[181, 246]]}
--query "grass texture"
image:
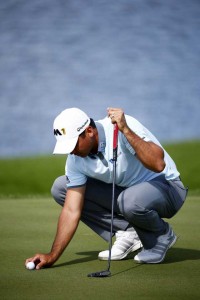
{"points": [[28, 219], [28, 226]]}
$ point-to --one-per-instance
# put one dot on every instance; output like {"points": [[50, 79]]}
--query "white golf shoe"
{"points": [[157, 254], [126, 242]]}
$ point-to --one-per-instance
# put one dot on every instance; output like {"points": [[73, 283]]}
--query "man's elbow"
{"points": [[160, 166]]}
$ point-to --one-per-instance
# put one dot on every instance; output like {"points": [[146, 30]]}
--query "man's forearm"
{"points": [[150, 154], [67, 225]]}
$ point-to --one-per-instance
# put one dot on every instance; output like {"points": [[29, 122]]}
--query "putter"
{"points": [[107, 273]]}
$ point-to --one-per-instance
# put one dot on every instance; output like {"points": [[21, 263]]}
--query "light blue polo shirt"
{"points": [[129, 170]]}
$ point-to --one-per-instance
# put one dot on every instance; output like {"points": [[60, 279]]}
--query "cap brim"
{"points": [[65, 147]]}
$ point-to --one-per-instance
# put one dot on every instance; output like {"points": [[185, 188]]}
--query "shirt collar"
{"points": [[101, 136]]}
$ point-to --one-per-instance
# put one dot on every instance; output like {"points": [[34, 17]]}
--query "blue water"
{"points": [[143, 56]]}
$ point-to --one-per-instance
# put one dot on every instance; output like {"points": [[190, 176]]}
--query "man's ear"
{"points": [[90, 131]]}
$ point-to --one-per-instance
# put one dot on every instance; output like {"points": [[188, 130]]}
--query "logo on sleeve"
{"points": [[67, 179]]}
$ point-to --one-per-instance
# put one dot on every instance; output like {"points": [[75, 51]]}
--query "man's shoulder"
{"points": [[105, 125], [132, 119], [105, 121]]}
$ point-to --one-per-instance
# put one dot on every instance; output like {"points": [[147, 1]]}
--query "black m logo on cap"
{"points": [[57, 132]]}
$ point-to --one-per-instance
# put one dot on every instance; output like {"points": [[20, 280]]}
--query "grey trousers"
{"points": [[142, 206]]}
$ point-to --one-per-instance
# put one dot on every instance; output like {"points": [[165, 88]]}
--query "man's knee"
{"points": [[128, 206], [136, 212], [132, 206], [58, 190]]}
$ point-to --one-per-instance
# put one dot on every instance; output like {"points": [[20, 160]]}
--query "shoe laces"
{"points": [[120, 235]]}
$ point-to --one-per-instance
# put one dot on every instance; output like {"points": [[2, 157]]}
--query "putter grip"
{"points": [[115, 141]]}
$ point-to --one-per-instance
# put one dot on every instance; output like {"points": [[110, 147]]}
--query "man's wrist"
{"points": [[126, 131], [54, 255]]}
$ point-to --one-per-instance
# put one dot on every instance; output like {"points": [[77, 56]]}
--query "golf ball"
{"points": [[30, 265]]}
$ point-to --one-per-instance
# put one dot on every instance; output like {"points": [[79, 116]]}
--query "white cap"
{"points": [[68, 125]]}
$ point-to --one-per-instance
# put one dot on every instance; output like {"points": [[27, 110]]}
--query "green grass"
{"points": [[187, 159], [28, 226], [31, 176]]}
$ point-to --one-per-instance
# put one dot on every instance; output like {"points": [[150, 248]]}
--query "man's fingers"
{"points": [[41, 260], [117, 116], [40, 265], [36, 259], [29, 260]]}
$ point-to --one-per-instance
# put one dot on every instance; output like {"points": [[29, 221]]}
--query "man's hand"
{"points": [[117, 116], [41, 260]]}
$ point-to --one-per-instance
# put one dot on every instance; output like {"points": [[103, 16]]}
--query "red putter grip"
{"points": [[115, 141], [115, 136]]}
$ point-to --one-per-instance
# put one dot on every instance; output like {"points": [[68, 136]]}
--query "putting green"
{"points": [[28, 226]]}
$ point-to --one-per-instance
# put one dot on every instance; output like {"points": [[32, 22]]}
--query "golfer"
{"points": [[148, 187]]}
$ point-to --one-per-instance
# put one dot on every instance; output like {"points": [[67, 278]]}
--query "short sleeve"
{"points": [[75, 177]]}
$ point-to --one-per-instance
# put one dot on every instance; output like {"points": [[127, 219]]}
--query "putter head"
{"points": [[105, 273]]}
